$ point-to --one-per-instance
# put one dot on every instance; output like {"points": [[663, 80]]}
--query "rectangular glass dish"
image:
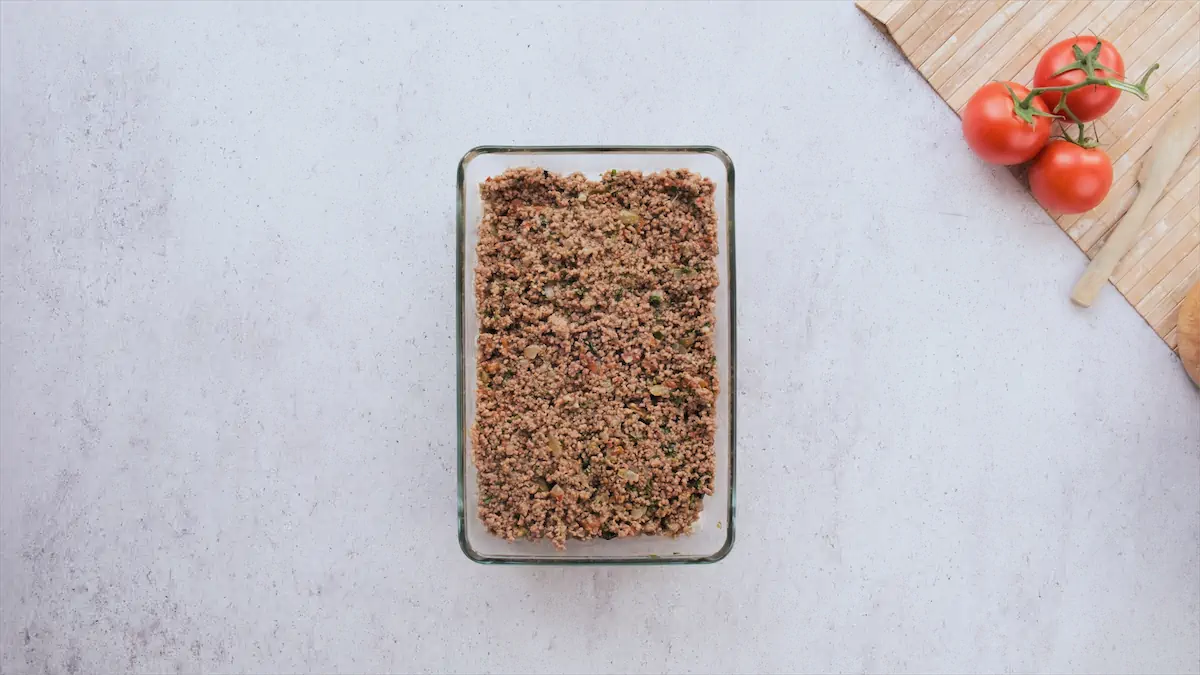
{"points": [[712, 535]]}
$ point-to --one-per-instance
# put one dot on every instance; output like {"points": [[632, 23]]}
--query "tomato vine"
{"points": [[1087, 62]]}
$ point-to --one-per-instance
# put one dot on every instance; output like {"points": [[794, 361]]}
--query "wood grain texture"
{"points": [[958, 45], [902, 14], [981, 68], [1176, 224], [919, 19]]}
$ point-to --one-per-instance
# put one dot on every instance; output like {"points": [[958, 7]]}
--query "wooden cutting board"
{"points": [[959, 45]]}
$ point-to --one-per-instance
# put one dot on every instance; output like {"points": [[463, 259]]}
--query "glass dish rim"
{"points": [[460, 356]]}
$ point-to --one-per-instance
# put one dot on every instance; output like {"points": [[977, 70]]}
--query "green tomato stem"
{"points": [[1089, 64]]}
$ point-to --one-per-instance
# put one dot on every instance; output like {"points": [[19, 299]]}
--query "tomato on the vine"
{"points": [[1068, 178], [997, 131], [1090, 102]]}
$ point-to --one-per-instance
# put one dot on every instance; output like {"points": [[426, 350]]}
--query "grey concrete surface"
{"points": [[227, 433]]}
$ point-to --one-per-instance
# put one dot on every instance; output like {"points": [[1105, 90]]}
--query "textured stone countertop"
{"points": [[227, 356]]}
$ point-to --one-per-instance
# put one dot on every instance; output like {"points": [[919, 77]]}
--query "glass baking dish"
{"points": [[713, 534]]}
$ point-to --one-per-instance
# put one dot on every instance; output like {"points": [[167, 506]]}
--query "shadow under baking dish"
{"points": [[713, 534]]}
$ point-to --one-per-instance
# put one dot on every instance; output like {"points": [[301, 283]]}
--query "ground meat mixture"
{"points": [[596, 367]]}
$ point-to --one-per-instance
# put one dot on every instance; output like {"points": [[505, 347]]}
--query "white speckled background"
{"points": [[226, 352]]}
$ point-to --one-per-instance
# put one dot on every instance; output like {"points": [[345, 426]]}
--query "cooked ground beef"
{"points": [[596, 368]]}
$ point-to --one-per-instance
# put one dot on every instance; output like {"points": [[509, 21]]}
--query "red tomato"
{"points": [[1089, 102], [995, 132], [1067, 178]]}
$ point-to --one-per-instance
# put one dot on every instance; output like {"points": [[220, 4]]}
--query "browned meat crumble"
{"points": [[596, 368]]}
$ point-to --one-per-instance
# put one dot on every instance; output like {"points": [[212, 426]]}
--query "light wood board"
{"points": [[959, 45]]}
